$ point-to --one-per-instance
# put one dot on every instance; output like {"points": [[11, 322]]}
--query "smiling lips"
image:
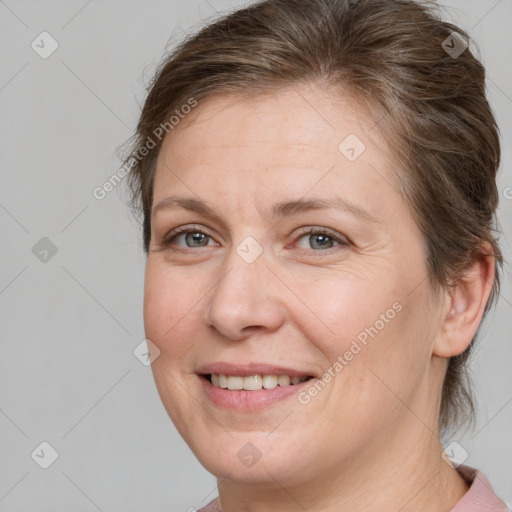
{"points": [[250, 386]]}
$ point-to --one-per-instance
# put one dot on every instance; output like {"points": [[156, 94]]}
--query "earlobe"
{"points": [[466, 303]]}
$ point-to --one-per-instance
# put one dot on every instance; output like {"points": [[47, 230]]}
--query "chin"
{"points": [[253, 458]]}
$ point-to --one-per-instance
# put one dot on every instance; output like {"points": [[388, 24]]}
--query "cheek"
{"points": [[333, 312], [171, 312], [172, 302], [373, 336], [382, 366]]}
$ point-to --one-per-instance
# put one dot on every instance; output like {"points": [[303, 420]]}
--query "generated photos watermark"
{"points": [[356, 346], [159, 132]]}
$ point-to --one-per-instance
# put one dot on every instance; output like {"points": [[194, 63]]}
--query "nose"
{"points": [[246, 297]]}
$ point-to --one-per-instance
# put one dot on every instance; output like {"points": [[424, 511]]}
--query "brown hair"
{"points": [[429, 105]]}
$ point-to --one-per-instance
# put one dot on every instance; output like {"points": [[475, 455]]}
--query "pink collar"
{"points": [[480, 496]]}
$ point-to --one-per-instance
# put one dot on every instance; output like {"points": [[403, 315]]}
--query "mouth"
{"points": [[255, 382], [250, 387]]}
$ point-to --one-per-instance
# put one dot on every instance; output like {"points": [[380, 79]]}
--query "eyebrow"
{"points": [[279, 210]]}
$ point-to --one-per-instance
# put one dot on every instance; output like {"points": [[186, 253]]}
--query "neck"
{"points": [[397, 477]]}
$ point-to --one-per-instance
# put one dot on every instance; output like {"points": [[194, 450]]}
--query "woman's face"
{"points": [[263, 285]]}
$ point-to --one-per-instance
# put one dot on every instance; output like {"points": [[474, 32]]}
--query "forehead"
{"points": [[303, 121], [280, 137], [299, 115]]}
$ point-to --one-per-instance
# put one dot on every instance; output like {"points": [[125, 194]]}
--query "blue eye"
{"points": [[318, 239], [194, 237], [321, 238]]}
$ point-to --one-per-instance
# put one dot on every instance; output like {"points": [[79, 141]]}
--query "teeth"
{"points": [[253, 382], [270, 381], [235, 382], [284, 380]]}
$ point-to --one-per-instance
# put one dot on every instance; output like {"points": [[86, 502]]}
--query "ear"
{"points": [[465, 304]]}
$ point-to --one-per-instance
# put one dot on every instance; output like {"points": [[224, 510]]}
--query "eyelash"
{"points": [[168, 241]]}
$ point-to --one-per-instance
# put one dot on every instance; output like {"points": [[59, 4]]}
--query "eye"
{"points": [[320, 239], [192, 237]]}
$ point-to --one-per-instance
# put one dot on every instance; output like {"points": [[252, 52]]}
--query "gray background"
{"points": [[69, 325]]}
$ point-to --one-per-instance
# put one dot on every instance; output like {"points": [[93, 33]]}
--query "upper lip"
{"points": [[248, 369]]}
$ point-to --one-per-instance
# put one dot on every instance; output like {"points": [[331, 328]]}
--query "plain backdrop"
{"points": [[71, 274]]}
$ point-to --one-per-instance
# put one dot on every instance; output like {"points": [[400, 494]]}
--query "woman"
{"points": [[317, 184]]}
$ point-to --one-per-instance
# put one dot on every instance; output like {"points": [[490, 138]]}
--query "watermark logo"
{"points": [[352, 147], [44, 455], [454, 45], [146, 352], [44, 250], [249, 454], [455, 454], [44, 45], [249, 249]]}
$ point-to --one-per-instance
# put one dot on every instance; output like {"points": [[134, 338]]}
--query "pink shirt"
{"points": [[479, 498]]}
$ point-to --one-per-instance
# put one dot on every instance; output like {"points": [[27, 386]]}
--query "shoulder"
{"points": [[213, 506], [480, 496]]}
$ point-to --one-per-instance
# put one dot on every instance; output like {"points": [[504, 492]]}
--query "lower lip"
{"points": [[243, 400]]}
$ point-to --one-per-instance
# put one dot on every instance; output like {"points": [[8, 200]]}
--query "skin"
{"points": [[368, 440]]}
